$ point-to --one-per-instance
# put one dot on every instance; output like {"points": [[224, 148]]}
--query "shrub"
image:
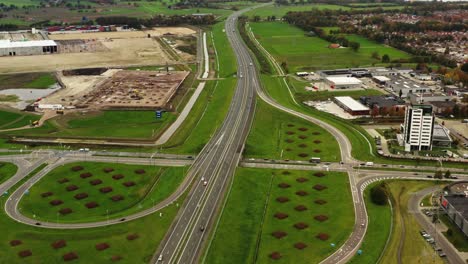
{"points": [[281, 215], [70, 256], [102, 246], [132, 236], [56, 202], [275, 255], [85, 175], [319, 187], [321, 218], [302, 145], [140, 171], [58, 244], [279, 234], [105, 189], [71, 188], [46, 194], [117, 198], [300, 208], [107, 170], [15, 243], [301, 179], [91, 205], [129, 184], [449, 232], [322, 236], [317, 141], [77, 168], [117, 177], [63, 180], [301, 193], [65, 211], [379, 194], [302, 137], [319, 174], [25, 253], [303, 129], [95, 182], [282, 199], [284, 185], [301, 225], [290, 132], [300, 245], [317, 150], [320, 201], [80, 196]]}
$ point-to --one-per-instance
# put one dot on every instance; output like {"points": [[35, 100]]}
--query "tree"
{"points": [[438, 174], [379, 194], [354, 45], [375, 55], [464, 67], [400, 93], [449, 232], [447, 174], [447, 51], [284, 65], [385, 58]]}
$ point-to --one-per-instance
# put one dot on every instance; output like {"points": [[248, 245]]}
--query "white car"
{"points": [[205, 183], [160, 258]]}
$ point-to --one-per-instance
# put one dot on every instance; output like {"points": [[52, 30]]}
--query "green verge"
{"points": [[14, 119], [151, 187], [7, 170], [254, 242], [278, 135]]}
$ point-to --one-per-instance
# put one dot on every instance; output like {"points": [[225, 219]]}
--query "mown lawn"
{"points": [[289, 44], [151, 186], [246, 212], [278, 135], [7, 170]]}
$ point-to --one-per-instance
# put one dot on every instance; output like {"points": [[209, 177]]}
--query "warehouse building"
{"points": [[406, 86], [23, 48], [351, 106], [343, 82], [455, 204]]}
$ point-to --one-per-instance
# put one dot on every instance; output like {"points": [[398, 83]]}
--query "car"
{"points": [[363, 225], [189, 157], [384, 165], [454, 177], [205, 183], [341, 162], [202, 178], [422, 232], [160, 258], [429, 176], [250, 64], [362, 164], [415, 173], [202, 228], [122, 219], [401, 166], [442, 254], [38, 224], [286, 160]]}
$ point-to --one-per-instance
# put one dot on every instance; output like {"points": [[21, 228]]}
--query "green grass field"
{"points": [[149, 230], [278, 135], [7, 170], [151, 187], [27, 80], [280, 11], [13, 119], [289, 44], [244, 234]]}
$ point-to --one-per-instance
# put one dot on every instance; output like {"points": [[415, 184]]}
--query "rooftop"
{"points": [[33, 43], [381, 78], [351, 103], [460, 203], [338, 80]]}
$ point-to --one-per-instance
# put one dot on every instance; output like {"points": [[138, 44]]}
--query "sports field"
{"points": [[282, 212], [67, 192], [278, 135], [302, 53]]}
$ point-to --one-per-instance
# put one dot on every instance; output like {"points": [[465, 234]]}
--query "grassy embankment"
{"points": [[14, 119], [27, 80], [7, 170]]}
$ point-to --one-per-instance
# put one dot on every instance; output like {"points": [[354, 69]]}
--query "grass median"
{"points": [[7, 170]]}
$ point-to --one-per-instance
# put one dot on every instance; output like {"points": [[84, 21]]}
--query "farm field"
{"points": [[87, 191], [301, 53], [106, 124], [7, 170], [282, 212], [278, 135], [13, 119], [129, 242]]}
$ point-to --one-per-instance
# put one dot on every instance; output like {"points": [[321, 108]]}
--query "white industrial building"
{"points": [[418, 128], [406, 86], [340, 82], [351, 106], [22, 48]]}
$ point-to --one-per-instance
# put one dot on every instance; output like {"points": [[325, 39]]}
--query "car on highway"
{"points": [[250, 64], [160, 258], [442, 254], [202, 228], [429, 176], [205, 183]]}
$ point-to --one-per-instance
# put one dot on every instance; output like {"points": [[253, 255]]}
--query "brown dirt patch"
{"points": [[301, 179], [140, 171], [301, 225], [288, 149], [290, 125], [15, 242], [290, 132], [91, 205], [129, 184], [132, 236], [303, 129], [317, 150], [317, 141], [284, 185], [281, 215], [58, 244], [71, 188], [85, 175], [322, 236], [117, 176], [302, 193], [302, 137], [300, 208], [80, 196], [279, 234], [319, 187], [282, 199], [25, 253], [105, 189], [320, 201], [46, 194], [319, 174], [117, 198], [300, 245], [63, 180], [65, 211], [77, 168], [321, 218], [56, 202], [95, 182], [70, 256], [107, 170], [102, 246], [275, 255], [302, 145]]}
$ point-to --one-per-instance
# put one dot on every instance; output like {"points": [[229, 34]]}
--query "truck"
{"points": [[369, 164], [314, 160]]}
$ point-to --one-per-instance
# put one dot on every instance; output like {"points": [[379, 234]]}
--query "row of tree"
{"points": [[159, 20]]}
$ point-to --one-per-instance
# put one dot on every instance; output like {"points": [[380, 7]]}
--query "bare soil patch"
{"points": [[102, 246], [118, 177], [300, 245], [300, 208], [15, 243], [140, 171], [91, 205], [129, 184], [65, 211], [71, 188], [321, 218], [301, 225], [319, 187], [275, 255], [319, 174], [117, 198], [59, 244], [46, 194], [107, 170], [132, 236], [77, 168], [55, 202], [95, 182], [85, 175], [284, 185], [322, 236], [63, 180], [320, 201], [302, 193], [70, 256], [281, 215], [80, 196], [25, 253], [279, 234], [301, 179], [282, 199], [106, 189]]}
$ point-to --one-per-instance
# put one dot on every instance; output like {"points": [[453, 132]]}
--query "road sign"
{"points": [[158, 114], [359, 252]]}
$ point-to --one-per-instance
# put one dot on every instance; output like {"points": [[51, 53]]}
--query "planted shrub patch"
{"points": [[302, 193], [25, 253], [302, 137], [70, 256], [321, 218], [300, 208], [322, 236], [290, 132], [302, 145], [107, 170], [275, 255], [77, 168], [319, 174], [102, 246], [91, 205], [85, 175], [71, 188], [303, 155], [300, 245], [63, 180], [59, 244], [129, 184], [65, 211], [284, 185], [132, 236], [279, 234], [317, 141], [319, 187], [116, 258], [319, 201], [317, 150], [117, 198], [140, 171], [282, 199], [281, 215], [105, 189], [95, 182], [46, 194], [117, 177], [15, 243], [301, 179], [301, 225], [56, 202], [303, 129], [80, 196]]}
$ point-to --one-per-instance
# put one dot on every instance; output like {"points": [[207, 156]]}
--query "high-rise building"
{"points": [[418, 127]]}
